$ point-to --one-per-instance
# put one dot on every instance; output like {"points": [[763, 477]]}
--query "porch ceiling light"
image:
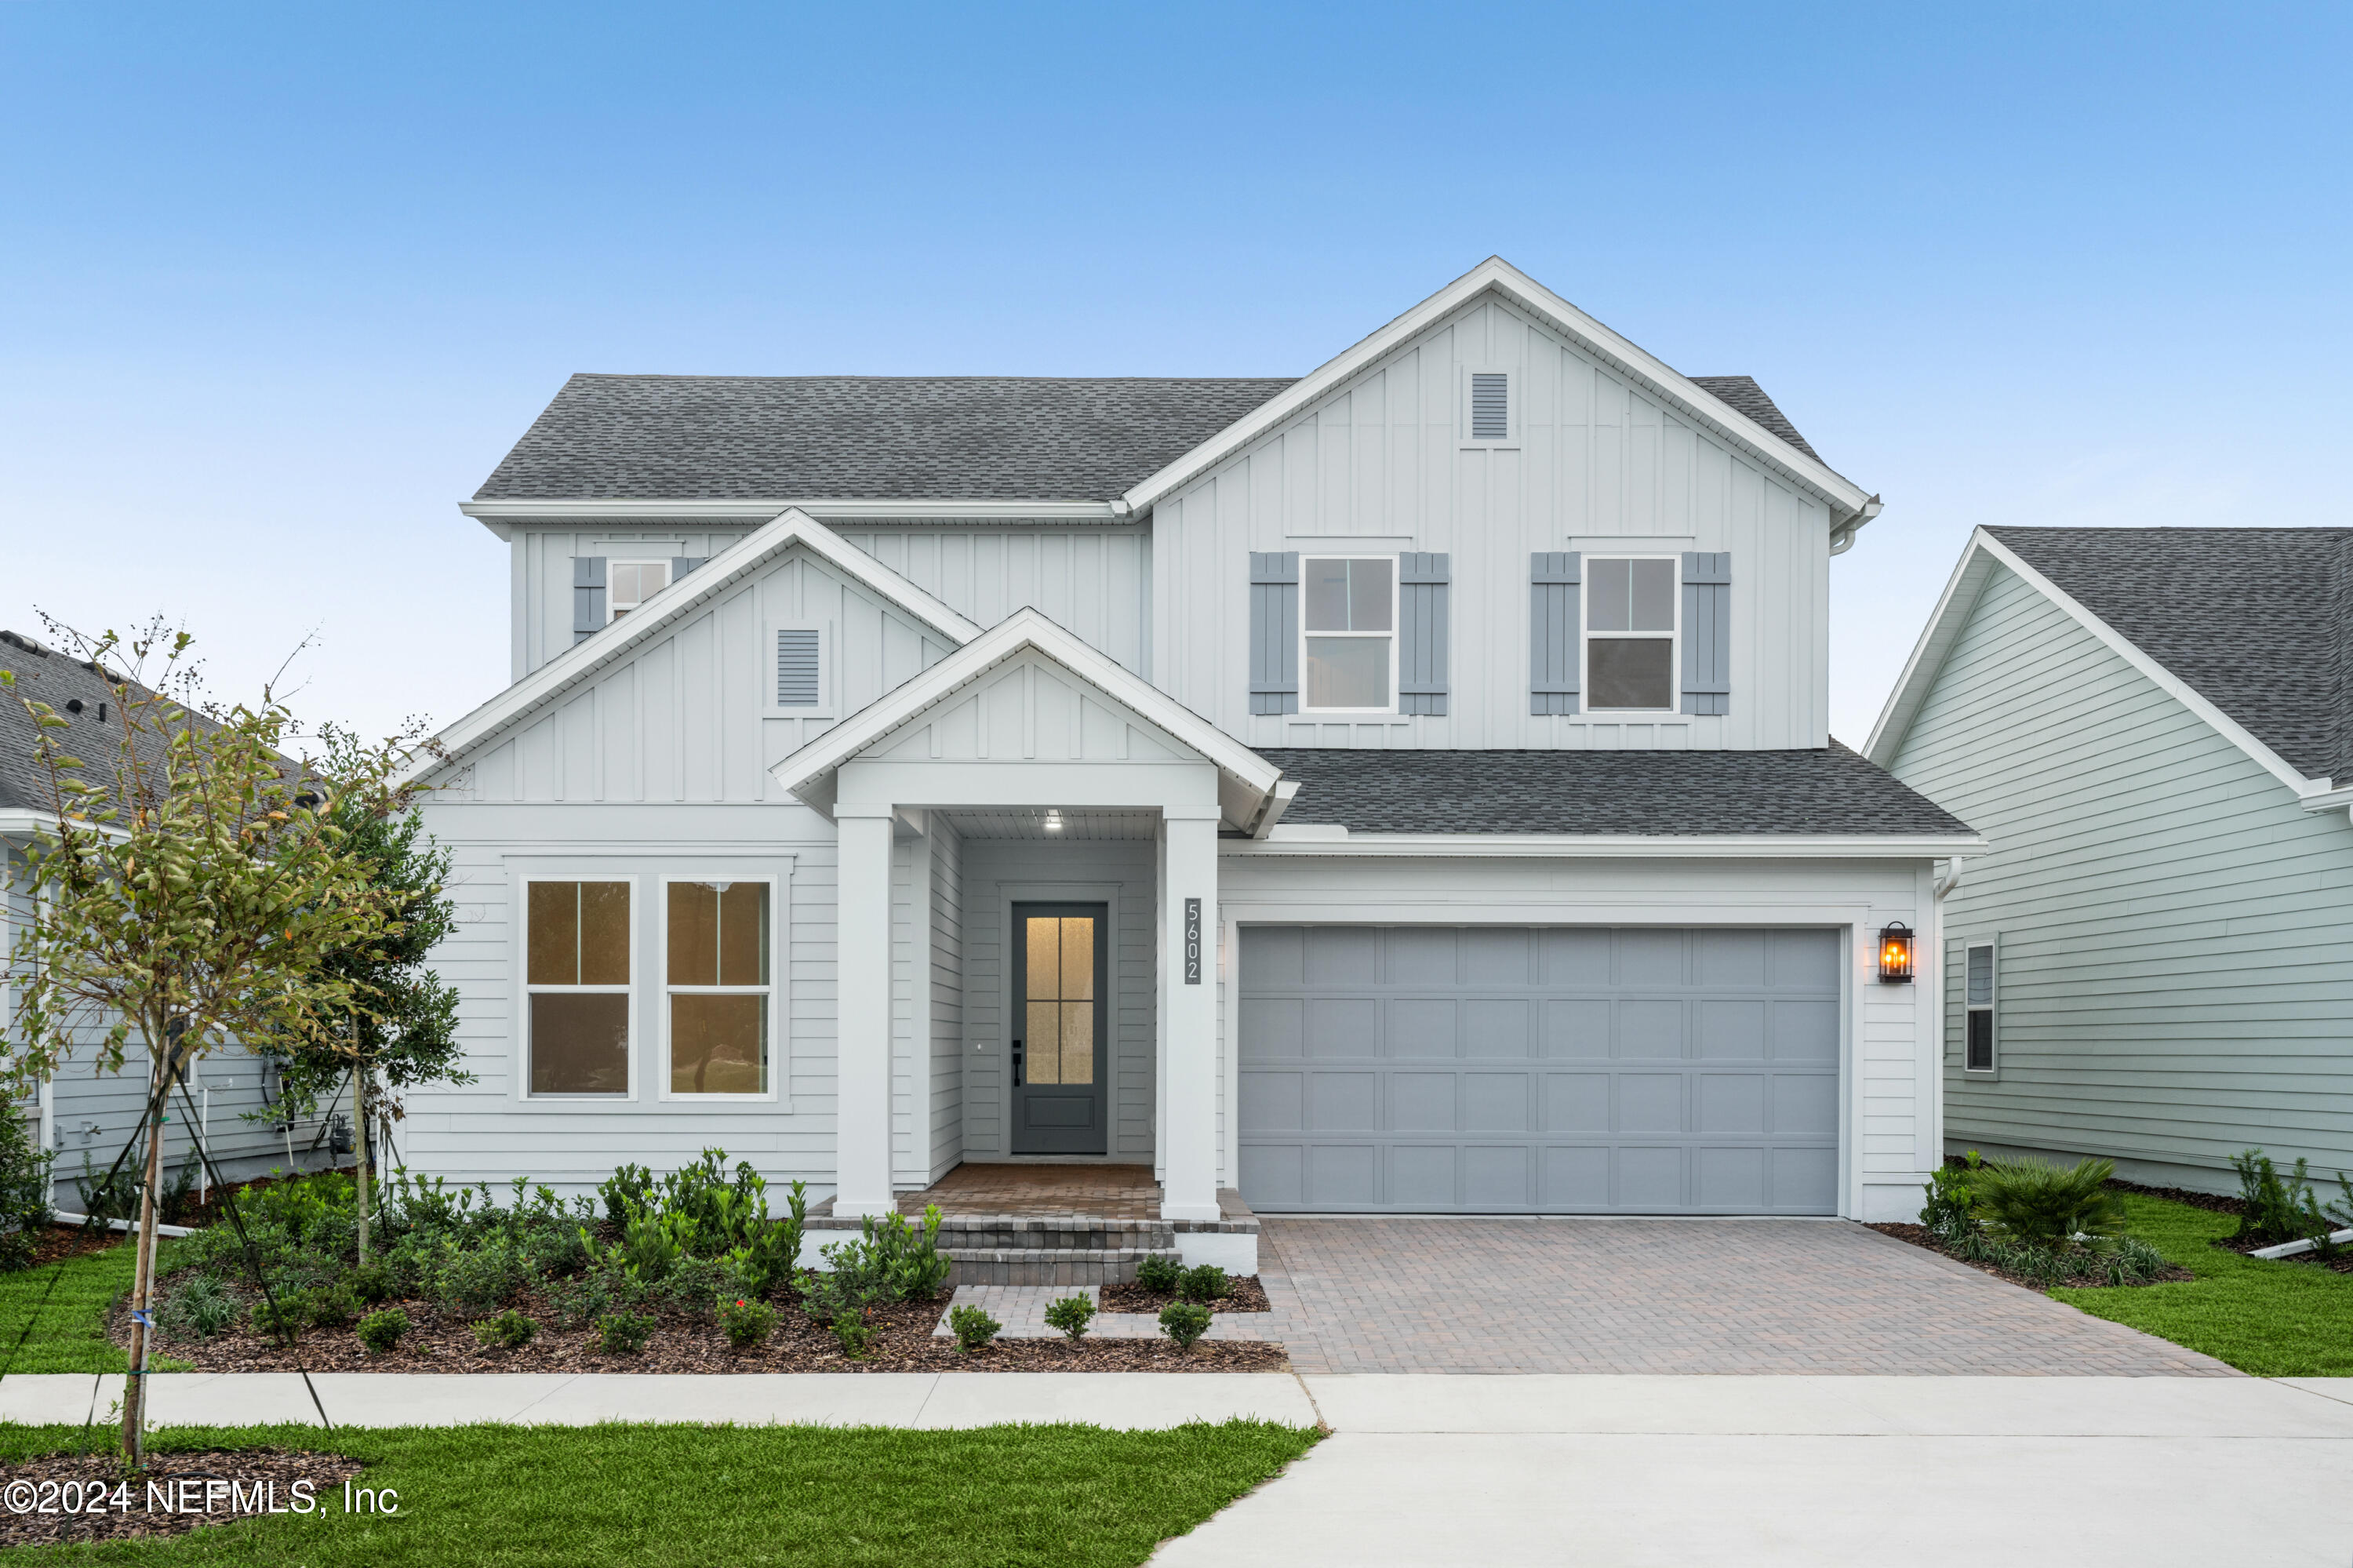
{"points": [[1895, 954], [1053, 820]]}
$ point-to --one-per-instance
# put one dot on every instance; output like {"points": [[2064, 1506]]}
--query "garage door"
{"points": [[1539, 1069]]}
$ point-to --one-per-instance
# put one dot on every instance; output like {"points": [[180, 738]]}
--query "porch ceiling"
{"points": [[1092, 826]]}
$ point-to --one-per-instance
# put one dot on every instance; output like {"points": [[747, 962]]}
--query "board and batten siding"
{"points": [[2176, 978], [539, 561], [1378, 467]]}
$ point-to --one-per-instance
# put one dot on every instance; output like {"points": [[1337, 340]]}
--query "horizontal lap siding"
{"points": [[2177, 945]]}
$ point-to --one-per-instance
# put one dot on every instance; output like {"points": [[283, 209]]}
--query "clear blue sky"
{"points": [[278, 285]]}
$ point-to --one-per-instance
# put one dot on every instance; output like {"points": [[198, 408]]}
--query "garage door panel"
{"points": [[1682, 1071]]}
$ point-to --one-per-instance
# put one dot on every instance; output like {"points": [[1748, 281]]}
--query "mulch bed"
{"points": [[32, 1494], [72, 1241], [1921, 1236], [1243, 1294], [903, 1341]]}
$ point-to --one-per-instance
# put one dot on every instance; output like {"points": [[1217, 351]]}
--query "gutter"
{"points": [[756, 509], [1842, 533]]}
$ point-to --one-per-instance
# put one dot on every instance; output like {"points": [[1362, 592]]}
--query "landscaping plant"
{"points": [[1070, 1314], [380, 1331], [852, 1332], [23, 1189], [1184, 1321], [2050, 1205], [2275, 1205], [973, 1326], [1204, 1282], [624, 1334], [1159, 1275], [510, 1331], [747, 1321], [1952, 1198], [196, 1309]]}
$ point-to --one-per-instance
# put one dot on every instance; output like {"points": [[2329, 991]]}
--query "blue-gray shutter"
{"points": [[797, 672], [682, 564], [1707, 632], [587, 596], [1421, 633], [1274, 632], [1553, 661]]}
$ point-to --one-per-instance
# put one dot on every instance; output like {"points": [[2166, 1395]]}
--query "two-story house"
{"points": [[1406, 788]]}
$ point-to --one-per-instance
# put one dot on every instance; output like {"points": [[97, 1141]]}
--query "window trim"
{"points": [[1394, 634], [1990, 1007], [774, 989], [826, 707], [1510, 438], [613, 609], [526, 989], [1672, 637]]}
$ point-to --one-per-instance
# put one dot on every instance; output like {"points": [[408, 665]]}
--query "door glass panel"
{"points": [[1045, 936], [1045, 1063], [1078, 1042], [1078, 959], [1060, 1009]]}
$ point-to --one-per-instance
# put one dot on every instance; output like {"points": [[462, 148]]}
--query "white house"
{"points": [[1404, 789]]}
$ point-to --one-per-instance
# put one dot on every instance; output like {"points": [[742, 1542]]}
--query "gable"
{"points": [[1029, 708]]}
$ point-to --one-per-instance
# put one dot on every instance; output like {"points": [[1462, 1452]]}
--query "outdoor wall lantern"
{"points": [[1895, 954]]}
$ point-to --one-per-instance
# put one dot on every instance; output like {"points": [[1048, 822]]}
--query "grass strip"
{"points": [[69, 1333], [512, 1497], [2274, 1320]]}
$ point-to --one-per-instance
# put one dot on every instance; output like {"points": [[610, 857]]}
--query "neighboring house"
{"points": [[1404, 789], [2154, 728], [87, 1116]]}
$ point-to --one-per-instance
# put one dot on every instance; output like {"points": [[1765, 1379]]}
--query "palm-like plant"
{"points": [[2050, 1205]]}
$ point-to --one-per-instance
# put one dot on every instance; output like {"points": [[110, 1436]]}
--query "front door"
{"points": [[1058, 1055]]}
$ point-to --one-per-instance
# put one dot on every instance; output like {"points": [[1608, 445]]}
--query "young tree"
{"points": [[188, 897]]}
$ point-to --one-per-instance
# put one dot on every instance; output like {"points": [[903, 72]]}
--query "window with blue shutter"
{"points": [[1554, 662], [1422, 583], [682, 564], [1707, 632], [587, 596], [1274, 632]]}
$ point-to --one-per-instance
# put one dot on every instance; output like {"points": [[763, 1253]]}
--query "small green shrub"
{"points": [[892, 1260], [624, 1192], [973, 1326], [1952, 1198], [1159, 1275], [24, 1192], [177, 1199], [1070, 1314], [372, 1283], [510, 1331], [1206, 1282], [853, 1333], [746, 1320], [1184, 1321], [196, 1309], [332, 1306], [2275, 1209], [476, 1280], [624, 1334], [380, 1331], [282, 1319], [2028, 1202]]}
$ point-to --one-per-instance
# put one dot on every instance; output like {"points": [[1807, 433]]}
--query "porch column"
{"points": [[861, 1116], [1188, 969]]}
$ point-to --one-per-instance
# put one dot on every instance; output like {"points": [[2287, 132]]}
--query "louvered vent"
{"points": [[797, 667], [1491, 407]]}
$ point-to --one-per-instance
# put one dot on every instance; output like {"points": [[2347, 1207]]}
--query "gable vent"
{"points": [[797, 667], [1490, 408]]}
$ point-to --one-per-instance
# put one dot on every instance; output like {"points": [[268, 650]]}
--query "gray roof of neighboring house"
{"points": [[895, 437], [46, 676], [2258, 622], [1664, 793]]}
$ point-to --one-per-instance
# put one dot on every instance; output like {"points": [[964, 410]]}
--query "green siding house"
{"points": [[2153, 728]]}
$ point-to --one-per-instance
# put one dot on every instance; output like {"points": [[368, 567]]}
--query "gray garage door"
{"points": [[1560, 1069]]}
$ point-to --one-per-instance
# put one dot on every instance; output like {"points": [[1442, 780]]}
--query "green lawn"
{"points": [[65, 1305], [2274, 1320], [685, 1496]]}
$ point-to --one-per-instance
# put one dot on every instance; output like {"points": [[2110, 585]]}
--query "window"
{"points": [[630, 583], [1487, 408], [1629, 633], [577, 987], [1348, 627], [1978, 1008], [718, 957]]}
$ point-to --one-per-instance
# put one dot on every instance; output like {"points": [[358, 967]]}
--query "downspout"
{"points": [[1950, 879], [1277, 801], [1842, 536]]}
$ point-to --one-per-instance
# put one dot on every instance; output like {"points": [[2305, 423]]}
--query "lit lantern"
{"points": [[1895, 954]]}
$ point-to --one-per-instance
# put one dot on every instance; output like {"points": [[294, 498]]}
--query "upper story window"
{"points": [[1629, 633], [577, 995], [1348, 633], [629, 584]]}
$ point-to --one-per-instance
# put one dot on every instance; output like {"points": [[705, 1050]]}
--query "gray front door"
{"points": [[1060, 1105], [1539, 1069]]}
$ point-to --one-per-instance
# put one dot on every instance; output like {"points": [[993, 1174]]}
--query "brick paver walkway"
{"points": [[1098, 1191], [1668, 1296]]}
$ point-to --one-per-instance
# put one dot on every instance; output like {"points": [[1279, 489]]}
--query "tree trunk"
{"points": [[360, 1149], [142, 1279]]}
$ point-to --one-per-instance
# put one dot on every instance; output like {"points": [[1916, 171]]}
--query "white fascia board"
{"points": [[26, 822], [806, 771], [1848, 500], [2339, 798], [1615, 846], [497, 511], [1936, 639], [641, 626]]}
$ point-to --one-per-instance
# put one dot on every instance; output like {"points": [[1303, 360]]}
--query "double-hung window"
{"points": [[1348, 633], [629, 584], [1629, 633], [1978, 1008], [577, 995], [718, 961]]}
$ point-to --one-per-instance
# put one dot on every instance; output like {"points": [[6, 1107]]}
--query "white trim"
{"points": [[1849, 506], [1921, 672], [1320, 839], [1672, 636], [706, 582], [806, 772], [1991, 1006], [774, 990], [759, 509], [526, 989], [26, 822], [1393, 636], [613, 609]]}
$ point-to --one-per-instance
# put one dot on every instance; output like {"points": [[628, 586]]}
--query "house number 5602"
{"points": [[1192, 941]]}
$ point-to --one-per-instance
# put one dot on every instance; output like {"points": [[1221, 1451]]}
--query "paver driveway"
{"points": [[1554, 1295]]}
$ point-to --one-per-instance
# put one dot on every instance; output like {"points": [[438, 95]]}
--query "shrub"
{"points": [[590, 1296], [332, 1306], [1952, 1198], [2029, 1201], [1159, 1275], [890, 1256], [380, 1331], [1072, 1314], [1184, 1321], [746, 1320], [624, 1192], [624, 1334], [372, 1283], [24, 1192], [1206, 1282], [853, 1333], [973, 1326], [2274, 1211], [282, 1318], [476, 1281], [510, 1331], [197, 1307], [108, 1198], [301, 1206], [177, 1201]]}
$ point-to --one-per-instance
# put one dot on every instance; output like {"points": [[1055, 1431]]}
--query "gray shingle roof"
{"points": [[941, 438], [1667, 793], [2258, 622], [51, 677], [1746, 398]]}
